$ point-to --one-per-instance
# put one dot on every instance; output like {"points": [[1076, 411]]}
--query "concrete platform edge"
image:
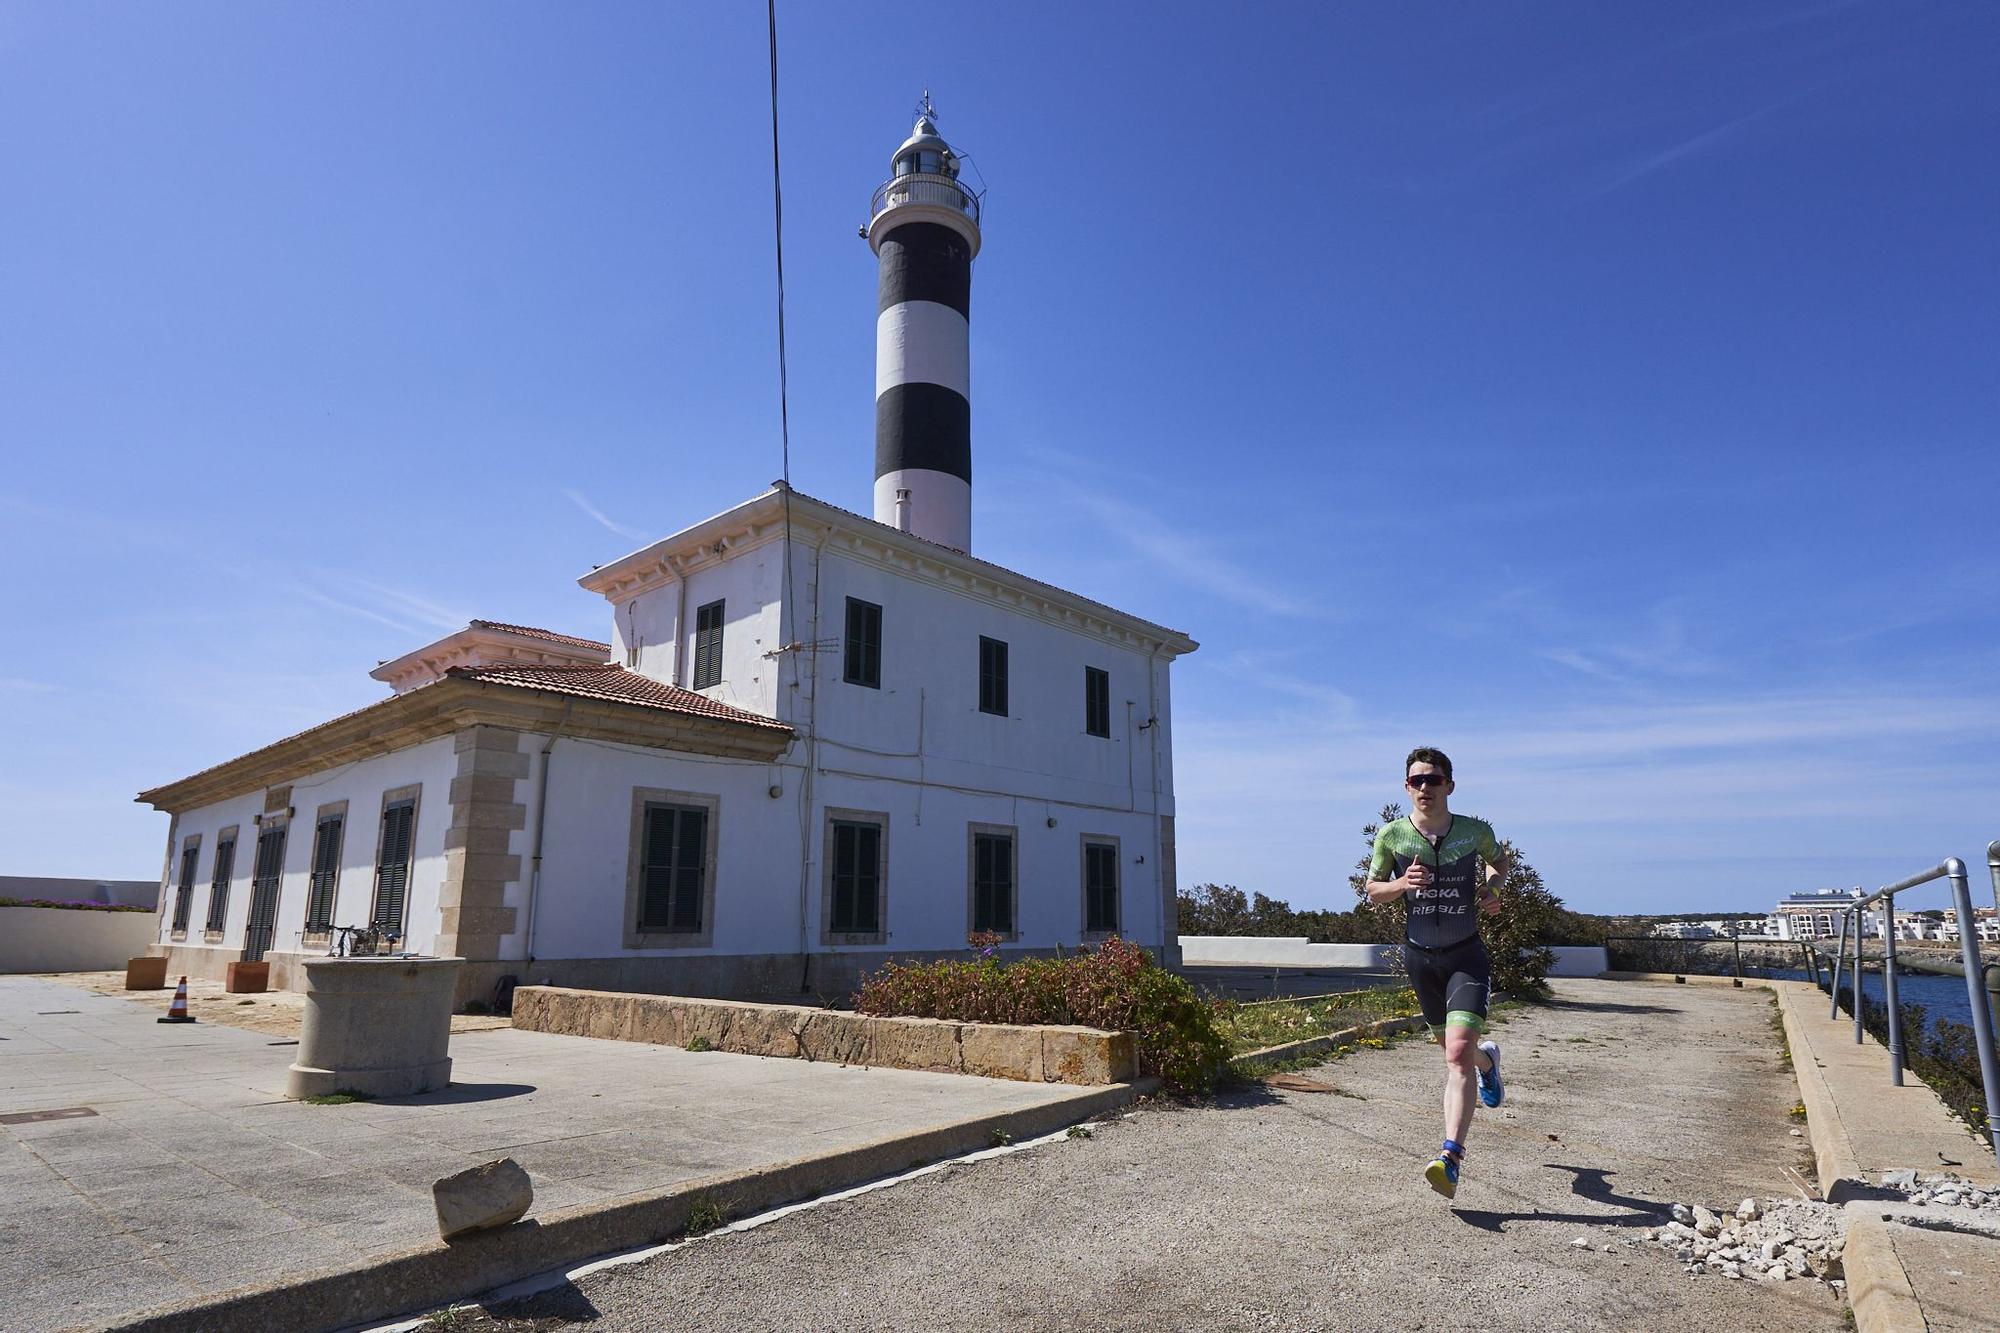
{"points": [[413, 1281], [1877, 1287]]}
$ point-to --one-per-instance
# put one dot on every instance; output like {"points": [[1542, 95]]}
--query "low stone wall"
{"points": [[1077, 1055], [55, 939]]}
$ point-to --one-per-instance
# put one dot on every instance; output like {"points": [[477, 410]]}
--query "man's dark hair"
{"points": [[1424, 754]]}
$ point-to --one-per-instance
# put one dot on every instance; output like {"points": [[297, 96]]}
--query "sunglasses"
{"points": [[1422, 780]]}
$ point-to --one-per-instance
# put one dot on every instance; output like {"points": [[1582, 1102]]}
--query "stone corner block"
{"points": [[1087, 1056], [490, 1195]]}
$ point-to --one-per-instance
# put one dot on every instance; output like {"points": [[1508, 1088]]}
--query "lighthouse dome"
{"points": [[925, 151]]}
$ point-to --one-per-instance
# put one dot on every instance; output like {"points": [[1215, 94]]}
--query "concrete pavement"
{"points": [[1295, 1210], [186, 1173]]}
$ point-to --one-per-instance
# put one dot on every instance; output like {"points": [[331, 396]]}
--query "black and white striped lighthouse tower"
{"points": [[924, 228]]}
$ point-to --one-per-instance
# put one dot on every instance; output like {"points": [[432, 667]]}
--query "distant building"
{"points": [[1815, 915]]}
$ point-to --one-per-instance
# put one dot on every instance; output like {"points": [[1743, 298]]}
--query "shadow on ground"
{"points": [[1605, 1007], [1589, 1182], [461, 1093]]}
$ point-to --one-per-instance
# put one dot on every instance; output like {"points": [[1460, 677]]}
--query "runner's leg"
{"points": [[1465, 1022]]}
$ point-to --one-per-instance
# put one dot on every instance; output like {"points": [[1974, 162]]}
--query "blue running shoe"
{"points": [[1491, 1090], [1442, 1174]]}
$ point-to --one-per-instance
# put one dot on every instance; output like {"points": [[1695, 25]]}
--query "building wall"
{"points": [[748, 586], [361, 785]]}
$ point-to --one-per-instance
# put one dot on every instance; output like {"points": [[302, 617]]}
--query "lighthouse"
{"points": [[923, 225]]}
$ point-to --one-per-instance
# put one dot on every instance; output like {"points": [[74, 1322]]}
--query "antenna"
{"points": [[925, 109]]}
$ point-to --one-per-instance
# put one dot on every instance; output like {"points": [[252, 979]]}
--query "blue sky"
{"points": [[1603, 393]]}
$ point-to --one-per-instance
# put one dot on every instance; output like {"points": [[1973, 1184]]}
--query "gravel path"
{"points": [[1300, 1210]]}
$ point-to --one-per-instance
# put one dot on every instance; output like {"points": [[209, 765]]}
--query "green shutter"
{"points": [[392, 872], [218, 889]]}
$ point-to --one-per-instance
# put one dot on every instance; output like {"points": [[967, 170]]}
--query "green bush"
{"points": [[1116, 987]]}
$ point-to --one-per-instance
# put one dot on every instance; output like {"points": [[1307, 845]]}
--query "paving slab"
{"points": [[198, 1177]]}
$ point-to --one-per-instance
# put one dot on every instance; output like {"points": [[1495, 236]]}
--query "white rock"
{"points": [[1608, 1249], [1682, 1213], [490, 1195], [1798, 1133], [1900, 1180], [1949, 1198], [1770, 1250], [1731, 1270], [1784, 1237], [1747, 1210], [1581, 1242]]}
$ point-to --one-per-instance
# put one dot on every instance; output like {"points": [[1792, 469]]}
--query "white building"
{"points": [[813, 740], [1816, 914]]}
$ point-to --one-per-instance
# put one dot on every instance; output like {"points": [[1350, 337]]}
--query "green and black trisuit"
{"points": [[1444, 955]]}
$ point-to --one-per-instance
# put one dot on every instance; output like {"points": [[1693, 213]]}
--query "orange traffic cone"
{"points": [[177, 1012]]}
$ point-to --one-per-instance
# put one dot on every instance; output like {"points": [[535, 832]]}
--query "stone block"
{"points": [[1087, 1056], [491, 1195], [462, 867], [835, 1037], [917, 1043], [490, 814], [479, 787], [998, 1050], [659, 1021], [469, 921], [146, 973], [486, 737], [489, 840], [503, 763], [242, 978]]}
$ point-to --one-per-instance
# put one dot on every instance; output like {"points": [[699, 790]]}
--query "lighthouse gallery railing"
{"points": [[923, 188]]}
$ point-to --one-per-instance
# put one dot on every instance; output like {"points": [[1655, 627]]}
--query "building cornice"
{"points": [[450, 705], [761, 520]]}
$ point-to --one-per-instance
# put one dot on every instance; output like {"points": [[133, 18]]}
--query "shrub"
{"points": [[1116, 987]]}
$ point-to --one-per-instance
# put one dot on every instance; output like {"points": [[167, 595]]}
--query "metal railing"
{"points": [[1952, 870], [923, 187]]}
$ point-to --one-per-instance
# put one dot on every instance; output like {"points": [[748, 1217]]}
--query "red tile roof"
{"points": [[614, 684], [529, 631]]}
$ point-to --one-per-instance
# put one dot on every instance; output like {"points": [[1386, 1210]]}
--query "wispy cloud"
{"points": [[631, 534], [1194, 561], [1661, 159], [22, 685]]}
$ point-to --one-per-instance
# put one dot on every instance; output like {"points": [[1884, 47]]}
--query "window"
{"points": [[993, 880], [862, 664], [673, 868], [855, 864], [708, 645], [1100, 888], [190, 853], [325, 881], [1096, 701], [266, 879], [992, 676], [393, 858], [218, 888]]}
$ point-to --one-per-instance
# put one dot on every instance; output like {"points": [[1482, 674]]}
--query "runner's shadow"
{"points": [[1588, 1182], [1605, 1006]]}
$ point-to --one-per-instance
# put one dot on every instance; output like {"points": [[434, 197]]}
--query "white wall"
{"points": [[47, 939], [748, 586], [361, 785], [1294, 951], [581, 907]]}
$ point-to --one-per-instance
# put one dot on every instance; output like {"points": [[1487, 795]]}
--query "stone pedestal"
{"points": [[376, 1025]]}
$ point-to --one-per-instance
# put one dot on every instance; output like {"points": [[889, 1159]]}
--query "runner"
{"points": [[1432, 858]]}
